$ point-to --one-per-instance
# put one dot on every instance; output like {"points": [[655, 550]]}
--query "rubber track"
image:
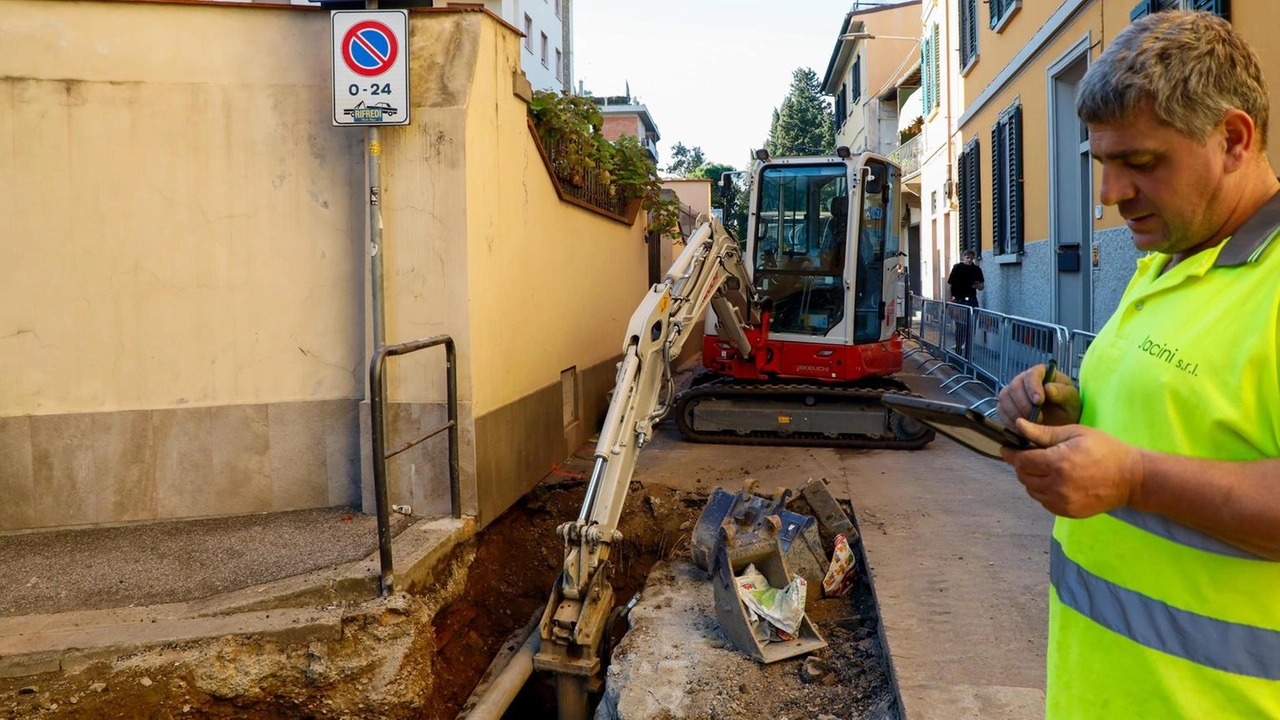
{"points": [[851, 395]]}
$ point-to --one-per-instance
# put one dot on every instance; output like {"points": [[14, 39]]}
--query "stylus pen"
{"points": [[1044, 390]]}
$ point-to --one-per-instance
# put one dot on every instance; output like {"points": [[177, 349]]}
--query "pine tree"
{"points": [[804, 124]]}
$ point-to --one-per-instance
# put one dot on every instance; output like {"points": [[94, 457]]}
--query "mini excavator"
{"points": [[801, 343]]}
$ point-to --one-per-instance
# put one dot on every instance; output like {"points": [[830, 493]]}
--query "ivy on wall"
{"points": [[608, 175]]}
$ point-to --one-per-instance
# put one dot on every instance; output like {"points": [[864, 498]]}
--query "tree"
{"points": [[685, 160], [712, 172], [804, 125]]}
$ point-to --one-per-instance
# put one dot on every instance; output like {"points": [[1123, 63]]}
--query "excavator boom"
{"points": [[708, 272]]}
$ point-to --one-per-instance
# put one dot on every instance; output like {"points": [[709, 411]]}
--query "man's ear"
{"points": [[1241, 137]]}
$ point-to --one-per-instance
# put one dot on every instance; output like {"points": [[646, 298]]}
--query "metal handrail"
{"points": [[378, 392]]}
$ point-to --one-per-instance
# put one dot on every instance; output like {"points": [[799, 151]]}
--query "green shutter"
{"points": [[1013, 158], [1143, 9], [968, 31], [999, 200], [937, 81]]}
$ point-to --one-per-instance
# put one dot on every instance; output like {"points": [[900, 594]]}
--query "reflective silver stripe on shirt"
{"points": [[1218, 644], [1179, 533]]}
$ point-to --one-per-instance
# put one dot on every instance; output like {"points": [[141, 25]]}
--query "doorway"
{"points": [[1071, 193]]}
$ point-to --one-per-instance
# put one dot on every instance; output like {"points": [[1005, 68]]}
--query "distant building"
{"points": [[873, 49], [547, 25], [623, 115], [547, 59]]}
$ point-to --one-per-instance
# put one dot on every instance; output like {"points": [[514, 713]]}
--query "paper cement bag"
{"points": [[783, 607]]}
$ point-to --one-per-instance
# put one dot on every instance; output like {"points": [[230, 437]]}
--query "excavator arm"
{"points": [[709, 272]]}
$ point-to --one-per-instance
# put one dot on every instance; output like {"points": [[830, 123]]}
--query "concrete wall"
{"points": [[548, 286], [183, 324], [181, 306]]}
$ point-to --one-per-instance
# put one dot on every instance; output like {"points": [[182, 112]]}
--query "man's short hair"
{"points": [[1190, 66], [968, 253]]}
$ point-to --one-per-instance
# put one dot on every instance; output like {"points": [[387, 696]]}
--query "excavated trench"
{"points": [[518, 558], [421, 655]]}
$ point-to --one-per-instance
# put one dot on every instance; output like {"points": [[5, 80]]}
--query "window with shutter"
{"points": [[1013, 182], [968, 33], [1146, 7], [998, 188], [926, 75], [856, 94], [1007, 219], [970, 203], [1000, 12], [934, 52]]}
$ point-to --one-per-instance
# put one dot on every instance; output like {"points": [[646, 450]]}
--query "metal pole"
{"points": [[374, 164]]}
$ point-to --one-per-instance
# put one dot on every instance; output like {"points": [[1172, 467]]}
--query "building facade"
{"points": [[873, 49], [547, 47], [1028, 187], [624, 115]]}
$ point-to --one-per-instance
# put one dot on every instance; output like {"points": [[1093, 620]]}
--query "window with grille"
{"points": [[1001, 11], [1006, 183], [970, 199], [1146, 7], [528, 33], [968, 33], [929, 70]]}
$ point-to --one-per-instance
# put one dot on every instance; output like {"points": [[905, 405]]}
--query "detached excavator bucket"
{"points": [[743, 628], [747, 512]]}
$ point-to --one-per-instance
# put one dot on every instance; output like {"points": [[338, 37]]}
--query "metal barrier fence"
{"points": [[988, 347], [1077, 343]]}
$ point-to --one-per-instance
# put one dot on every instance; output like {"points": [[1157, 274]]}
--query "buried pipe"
{"points": [[503, 689]]}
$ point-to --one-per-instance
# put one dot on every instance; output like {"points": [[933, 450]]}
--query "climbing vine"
{"points": [[606, 174]]}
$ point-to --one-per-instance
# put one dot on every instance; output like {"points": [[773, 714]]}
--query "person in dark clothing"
{"points": [[965, 281]]}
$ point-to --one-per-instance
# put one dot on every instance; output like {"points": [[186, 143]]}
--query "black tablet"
{"points": [[958, 422]]}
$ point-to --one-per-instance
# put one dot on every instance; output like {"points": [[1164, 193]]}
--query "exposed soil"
{"points": [[516, 564], [421, 656]]}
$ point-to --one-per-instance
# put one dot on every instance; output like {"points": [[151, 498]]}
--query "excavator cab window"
{"points": [[800, 234]]}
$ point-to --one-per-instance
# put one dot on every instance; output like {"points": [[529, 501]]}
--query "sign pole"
{"points": [[371, 88], [373, 163]]}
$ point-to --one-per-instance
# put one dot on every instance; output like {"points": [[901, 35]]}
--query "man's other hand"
{"points": [[1078, 472], [1018, 398]]}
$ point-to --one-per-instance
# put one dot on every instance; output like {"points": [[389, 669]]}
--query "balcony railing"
{"points": [[907, 155]]}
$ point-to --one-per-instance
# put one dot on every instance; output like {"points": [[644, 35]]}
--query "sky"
{"points": [[710, 71]]}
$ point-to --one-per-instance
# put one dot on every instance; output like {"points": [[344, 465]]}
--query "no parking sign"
{"points": [[370, 67]]}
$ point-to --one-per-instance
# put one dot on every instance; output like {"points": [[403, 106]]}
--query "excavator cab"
{"points": [[819, 234]]}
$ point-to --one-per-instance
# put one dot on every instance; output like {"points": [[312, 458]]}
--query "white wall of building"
{"points": [[939, 227], [543, 50]]}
